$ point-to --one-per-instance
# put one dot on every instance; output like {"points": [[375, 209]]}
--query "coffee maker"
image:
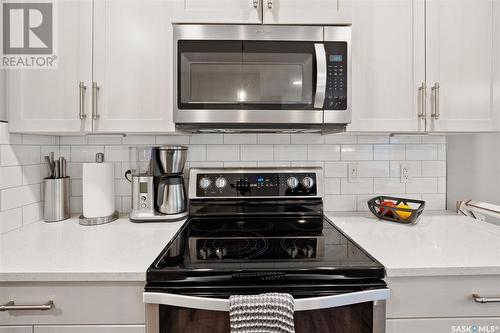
{"points": [[158, 192]]}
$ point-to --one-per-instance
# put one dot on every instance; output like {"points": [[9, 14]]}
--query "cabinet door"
{"points": [[47, 100], [16, 329], [217, 11], [307, 11], [90, 329], [133, 66], [460, 60], [388, 56]]}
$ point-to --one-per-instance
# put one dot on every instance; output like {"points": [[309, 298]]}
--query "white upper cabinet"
{"points": [[496, 64], [48, 100], [133, 66], [217, 11], [460, 65], [307, 11], [388, 55]]}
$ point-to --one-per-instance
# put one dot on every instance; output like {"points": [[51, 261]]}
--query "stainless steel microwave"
{"points": [[260, 78]]}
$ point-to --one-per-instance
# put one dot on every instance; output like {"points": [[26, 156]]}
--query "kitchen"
{"points": [[327, 103]]}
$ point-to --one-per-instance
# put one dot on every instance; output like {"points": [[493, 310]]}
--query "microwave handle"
{"points": [[320, 52], [301, 304]]}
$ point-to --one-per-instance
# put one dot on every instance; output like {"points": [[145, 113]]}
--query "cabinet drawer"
{"points": [[442, 296], [16, 329], [90, 329], [74, 303], [443, 325]]}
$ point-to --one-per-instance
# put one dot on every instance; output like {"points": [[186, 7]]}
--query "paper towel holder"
{"points": [[99, 158], [98, 220]]}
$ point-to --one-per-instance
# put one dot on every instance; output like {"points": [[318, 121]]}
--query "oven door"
{"points": [[249, 74], [360, 312]]}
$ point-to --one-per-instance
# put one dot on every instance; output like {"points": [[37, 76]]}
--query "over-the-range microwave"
{"points": [[261, 78]]}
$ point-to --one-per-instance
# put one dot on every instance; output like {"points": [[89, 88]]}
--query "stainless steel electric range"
{"points": [[256, 230]]}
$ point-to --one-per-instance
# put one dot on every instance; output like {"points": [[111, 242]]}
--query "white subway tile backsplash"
{"points": [[332, 186], [423, 152], [335, 169], [11, 220], [240, 139], [197, 153], [30, 139], [301, 139], [223, 153], [19, 155], [257, 152], [434, 201], [434, 168], [32, 213], [11, 176], [172, 140], [290, 152], [362, 186], [378, 156], [273, 139], [341, 138], [207, 139], [85, 153], [340, 203], [19, 196], [389, 152], [356, 152], [374, 169], [323, 152], [422, 185], [362, 139], [388, 185]]}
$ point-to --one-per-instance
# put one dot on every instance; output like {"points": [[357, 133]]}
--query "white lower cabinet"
{"points": [[16, 329], [443, 304], [443, 325], [90, 329]]}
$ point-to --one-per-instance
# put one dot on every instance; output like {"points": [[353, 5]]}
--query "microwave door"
{"points": [[321, 75]]}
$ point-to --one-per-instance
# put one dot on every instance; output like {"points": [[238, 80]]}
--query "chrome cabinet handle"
{"points": [[270, 4], [421, 95], [95, 91], [479, 299], [435, 92], [11, 306], [83, 88], [255, 3]]}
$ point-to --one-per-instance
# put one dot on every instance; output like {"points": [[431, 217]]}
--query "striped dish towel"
{"points": [[264, 313]]}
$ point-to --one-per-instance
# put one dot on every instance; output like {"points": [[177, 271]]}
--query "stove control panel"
{"points": [[256, 184]]}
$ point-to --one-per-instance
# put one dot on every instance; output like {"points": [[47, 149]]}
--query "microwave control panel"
{"points": [[336, 78]]}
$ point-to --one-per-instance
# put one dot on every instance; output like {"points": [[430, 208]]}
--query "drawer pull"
{"points": [[11, 306], [479, 299]]}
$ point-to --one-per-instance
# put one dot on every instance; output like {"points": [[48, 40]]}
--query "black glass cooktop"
{"points": [[264, 250]]}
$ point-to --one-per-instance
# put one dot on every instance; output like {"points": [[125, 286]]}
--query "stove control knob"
{"points": [[205, 253], [292, 182], [205, 183], [293, 251], [308, 251], [221, 182], [220, 252], [308, 182]]}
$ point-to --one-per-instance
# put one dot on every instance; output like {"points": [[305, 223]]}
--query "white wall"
{"points": [[473, 168], [3, 95]]}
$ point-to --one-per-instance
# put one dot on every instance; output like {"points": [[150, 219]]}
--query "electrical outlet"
{"points": [[405, 173], [353, 173]]}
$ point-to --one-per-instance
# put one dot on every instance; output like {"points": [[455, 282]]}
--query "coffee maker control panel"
{"points": [[142, 200]]}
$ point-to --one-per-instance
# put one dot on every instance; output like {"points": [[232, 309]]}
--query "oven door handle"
{"points": [[301, 304], [319, 99]]}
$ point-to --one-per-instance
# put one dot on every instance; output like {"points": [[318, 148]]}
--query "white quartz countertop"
{"points": [[437, 245], [66, 251]]}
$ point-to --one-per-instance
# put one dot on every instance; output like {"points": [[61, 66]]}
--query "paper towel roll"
{"points": [[98, 189]]}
